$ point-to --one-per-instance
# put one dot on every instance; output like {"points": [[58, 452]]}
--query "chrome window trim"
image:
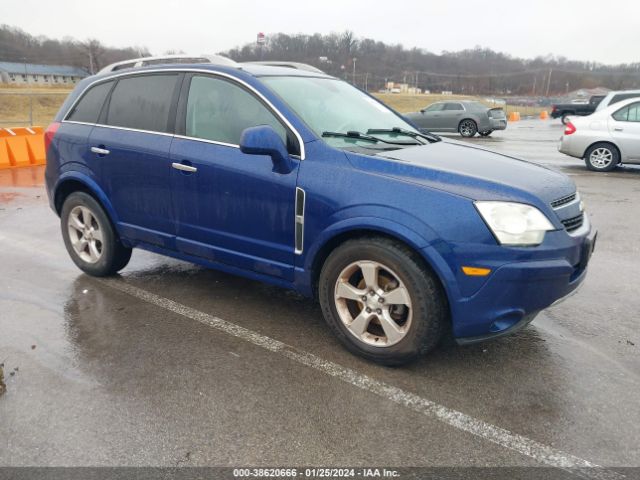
{"points": [[204, 140], [164, 134], [182, 70]]}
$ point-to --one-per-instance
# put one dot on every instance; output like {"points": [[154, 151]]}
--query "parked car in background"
{"points": [[462, 116], [606, 138], [615, 97], [564, 110]]}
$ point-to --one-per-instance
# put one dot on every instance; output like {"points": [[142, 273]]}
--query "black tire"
{"points": [[598, 153], [429, 310], [565, 117], [486, 133], [113, 255], [467, 128]]}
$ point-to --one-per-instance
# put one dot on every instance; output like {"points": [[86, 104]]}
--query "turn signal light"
{"points": [[476, 271]]}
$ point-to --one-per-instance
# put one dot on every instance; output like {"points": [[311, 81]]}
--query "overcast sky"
{"points": [[604, 31]]}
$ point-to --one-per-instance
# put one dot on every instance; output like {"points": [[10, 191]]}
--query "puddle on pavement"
{"points": [[22, 177]]}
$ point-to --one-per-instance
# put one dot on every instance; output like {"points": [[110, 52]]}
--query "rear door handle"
{"points": [[100, 151], [618, 129], [183, 167]]}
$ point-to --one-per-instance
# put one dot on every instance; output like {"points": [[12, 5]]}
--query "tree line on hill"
{"points": [[471, 71], [366, 62], [91, 55]]}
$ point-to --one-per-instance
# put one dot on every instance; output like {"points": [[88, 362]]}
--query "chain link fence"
{"points": [[20, 108]]}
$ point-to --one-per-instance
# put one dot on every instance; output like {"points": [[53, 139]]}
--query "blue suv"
{"points": [[301, 180]]}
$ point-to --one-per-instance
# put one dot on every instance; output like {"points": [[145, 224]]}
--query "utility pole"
{"points": [[91, 63], [549, 82], [535, 79], [26, 79], [354, 70], [366, 82]]}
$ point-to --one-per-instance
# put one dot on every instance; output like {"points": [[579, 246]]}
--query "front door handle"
{"points": [[100, 151], [183, 167], [618, 129]]}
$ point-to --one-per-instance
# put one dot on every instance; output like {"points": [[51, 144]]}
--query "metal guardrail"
{"points": [[28, 108]]}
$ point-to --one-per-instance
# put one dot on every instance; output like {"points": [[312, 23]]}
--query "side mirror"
{"points": [[264, 140], [422, 110]]}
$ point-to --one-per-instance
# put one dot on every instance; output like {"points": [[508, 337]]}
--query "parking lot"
{"points": [[170, 364]]}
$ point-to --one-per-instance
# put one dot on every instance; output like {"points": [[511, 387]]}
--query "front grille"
{"points": [[573, 223], [563, 200]]}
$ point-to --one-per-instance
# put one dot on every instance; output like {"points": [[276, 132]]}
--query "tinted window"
{"points": [[453, 106], [219, 110], [142, 102], [623, 96], [89, 106], [436, 107]]}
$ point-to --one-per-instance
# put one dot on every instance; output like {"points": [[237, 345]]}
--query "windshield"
{"points": [[331, 105]]}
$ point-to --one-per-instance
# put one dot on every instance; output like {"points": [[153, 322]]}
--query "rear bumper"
{"points": [[573, 145], [516, 292], [498, 123]]}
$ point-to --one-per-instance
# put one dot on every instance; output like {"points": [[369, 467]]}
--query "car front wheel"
{"points": [[602, 157], [467, 128], [89, 237], [381, 302]]}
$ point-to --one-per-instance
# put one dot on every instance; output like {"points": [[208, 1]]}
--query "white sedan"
{"points": [[605, 138]]}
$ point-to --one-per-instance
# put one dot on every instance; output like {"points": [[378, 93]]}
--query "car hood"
{"points": [[470, 171]]}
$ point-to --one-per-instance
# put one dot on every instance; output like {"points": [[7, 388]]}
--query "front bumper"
{"points": [[515, 292]]}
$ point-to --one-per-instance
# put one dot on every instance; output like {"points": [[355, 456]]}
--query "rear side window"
{"points": [[453, 106], [219, 110], [142, 102], [88, 108], [623, 96], [630, 113]]}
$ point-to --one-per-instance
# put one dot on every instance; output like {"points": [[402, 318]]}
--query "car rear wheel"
{"points": [[467, 128], [90, 238], [602, 157], [381, 302], [486, 133]]}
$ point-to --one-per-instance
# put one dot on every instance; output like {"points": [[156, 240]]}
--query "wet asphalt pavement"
{"points": [[134, 371]]}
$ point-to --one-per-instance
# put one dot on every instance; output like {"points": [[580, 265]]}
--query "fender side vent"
{"points": [[299, 222]]}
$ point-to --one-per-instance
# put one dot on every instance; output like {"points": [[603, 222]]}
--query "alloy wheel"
{"points": [[85, 234], [467, 128], [373, 303], [601, 157]]}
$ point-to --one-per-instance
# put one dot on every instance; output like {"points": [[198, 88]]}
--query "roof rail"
{"points": [[169, 59], [286, 64]]}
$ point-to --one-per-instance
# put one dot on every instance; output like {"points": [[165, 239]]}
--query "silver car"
{"points": [[462, 116], [605, 138]]}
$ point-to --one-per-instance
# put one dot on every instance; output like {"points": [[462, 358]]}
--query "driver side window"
{"points": [[436, 107], [219, 110]]}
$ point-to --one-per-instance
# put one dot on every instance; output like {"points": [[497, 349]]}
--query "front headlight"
{"points": [[515, 223]]}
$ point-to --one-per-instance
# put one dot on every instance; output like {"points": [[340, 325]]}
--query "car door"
{"points": [[131, 142], [624, 127], [231, 207], [451, 116], [429, 117]]}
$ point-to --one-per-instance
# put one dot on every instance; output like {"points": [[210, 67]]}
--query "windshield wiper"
{"points": [[430, 137], [361, 136]]}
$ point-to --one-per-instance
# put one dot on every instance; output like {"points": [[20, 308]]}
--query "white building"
{"points": [[33, 74]]}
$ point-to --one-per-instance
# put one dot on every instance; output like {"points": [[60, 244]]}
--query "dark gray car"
{"points": [[462, 116]]}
